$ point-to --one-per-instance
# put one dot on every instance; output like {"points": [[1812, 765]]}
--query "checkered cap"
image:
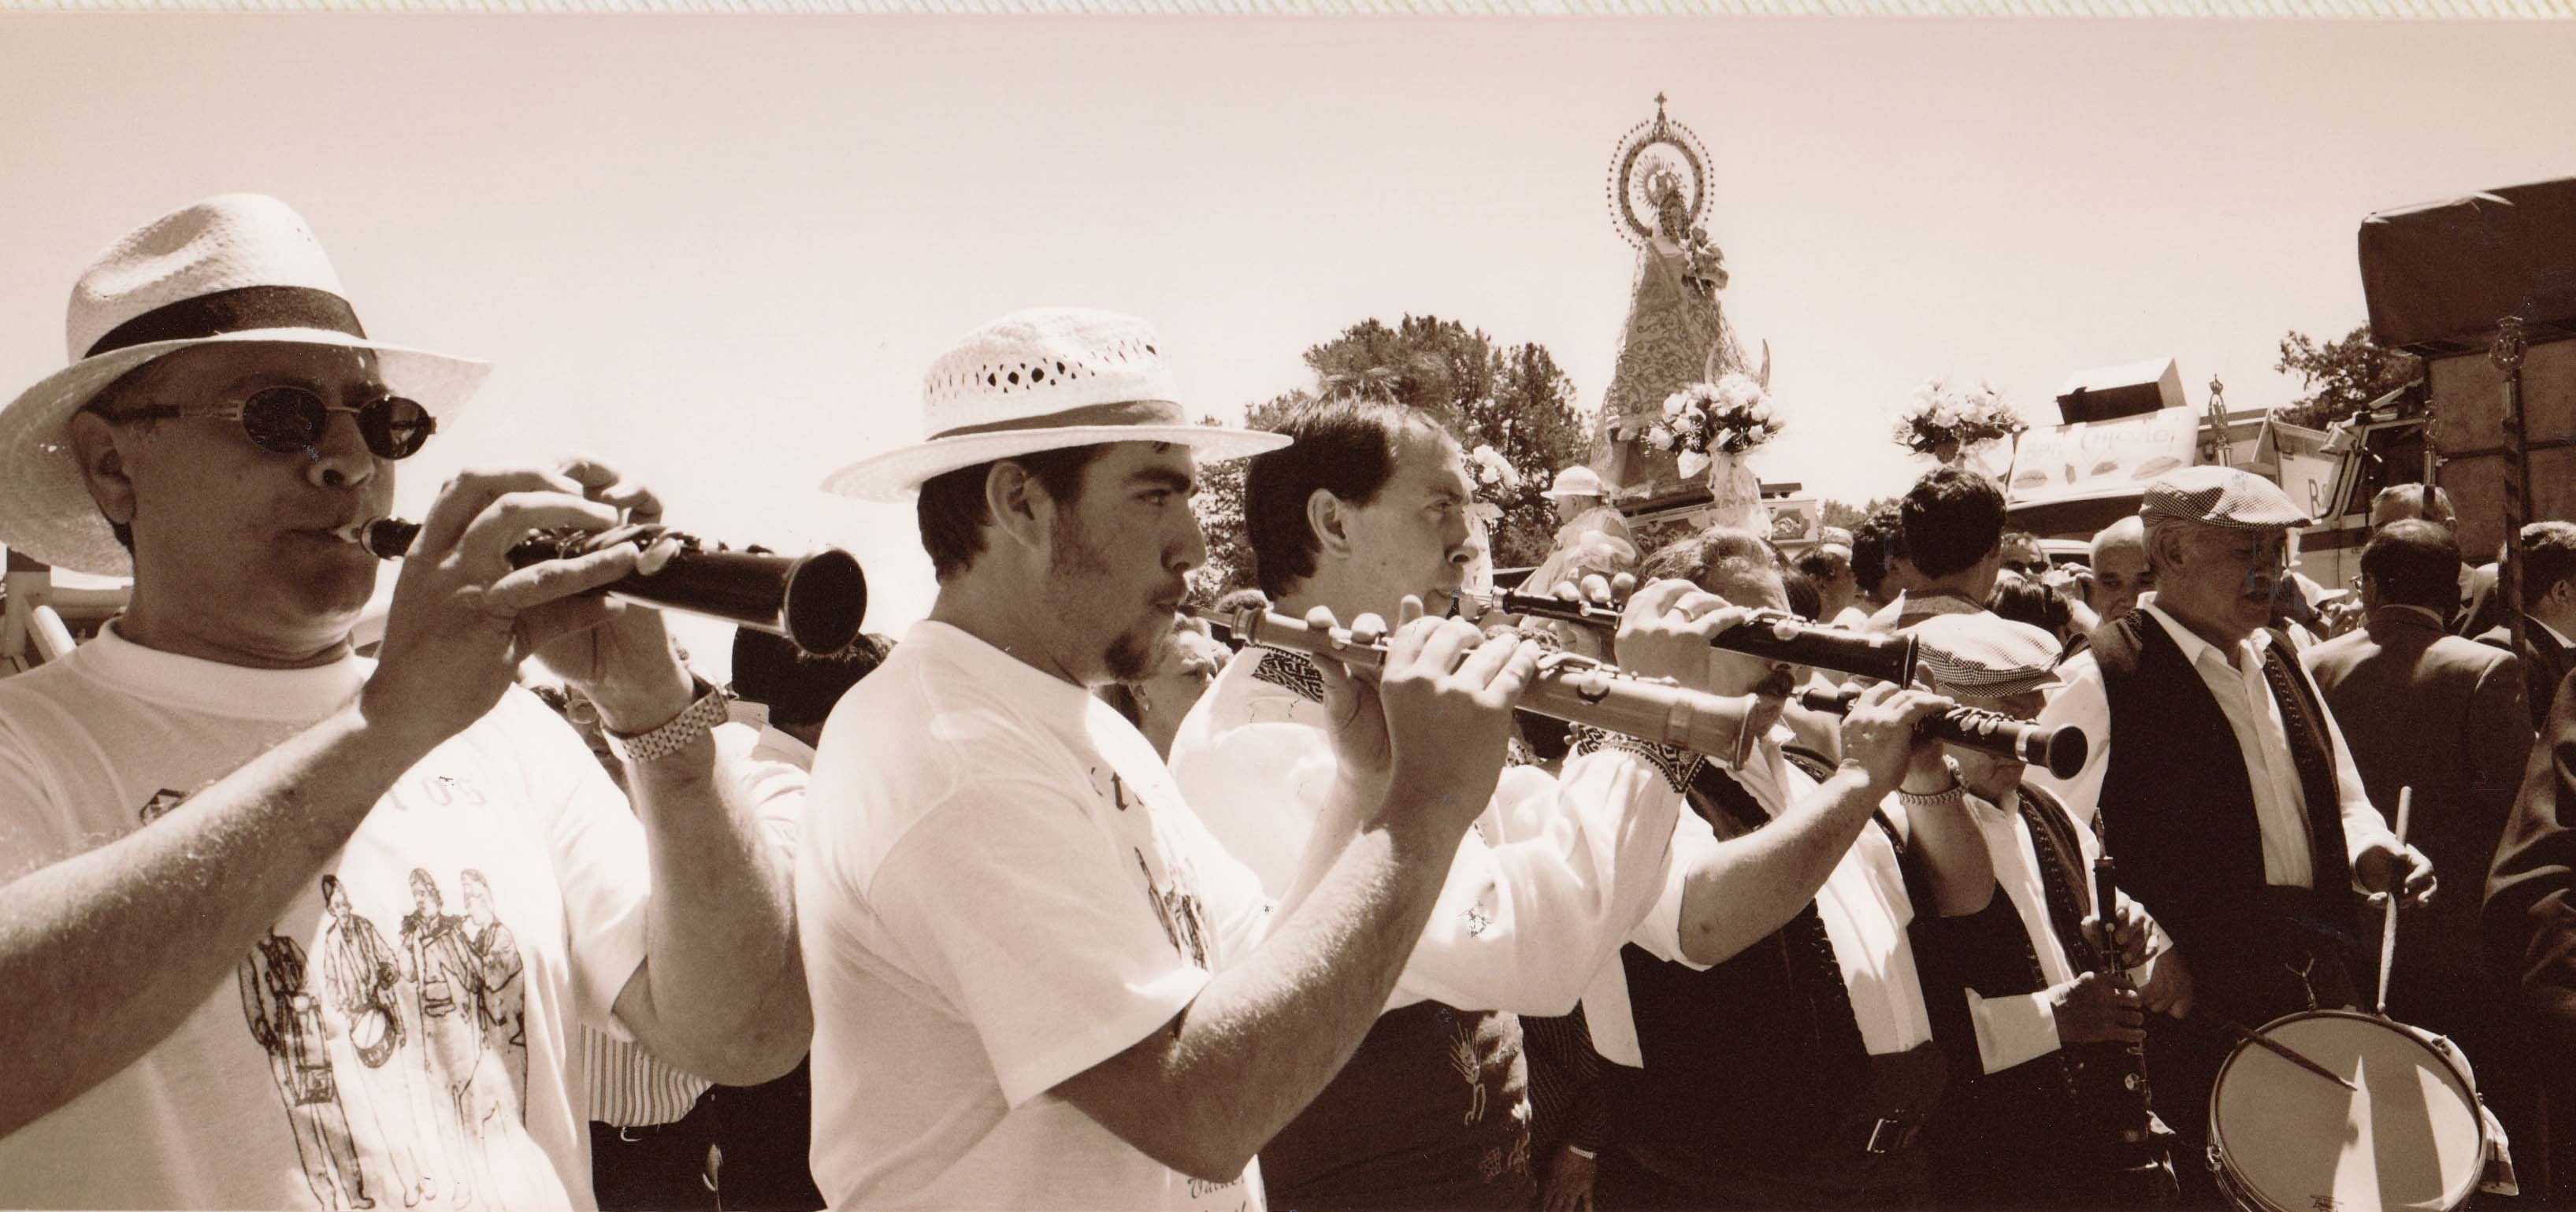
{"points": [[1984, 654], [2221, 496]]}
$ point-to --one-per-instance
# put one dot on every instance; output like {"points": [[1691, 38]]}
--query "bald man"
{"points": [[2120, 570]]}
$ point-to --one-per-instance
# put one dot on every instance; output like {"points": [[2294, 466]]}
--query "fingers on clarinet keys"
{"points": [[1449, 690], [1882, 731], [2094, 1008], [1665, 631]]}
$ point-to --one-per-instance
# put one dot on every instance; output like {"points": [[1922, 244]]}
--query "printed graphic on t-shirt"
{"points": [[1184, 919], [399, 1062]]}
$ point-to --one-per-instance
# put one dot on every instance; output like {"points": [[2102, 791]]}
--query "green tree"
{"points": [[2340, 377], [1220, 510]]}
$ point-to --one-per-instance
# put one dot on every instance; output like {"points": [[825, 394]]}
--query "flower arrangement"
{"points": [[1703, 420], [1493, 470], [1944, 420]]}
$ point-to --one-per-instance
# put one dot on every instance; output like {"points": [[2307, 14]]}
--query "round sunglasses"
{"points": [[291, 420]]}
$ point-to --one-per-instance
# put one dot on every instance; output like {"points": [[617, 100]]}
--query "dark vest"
{"points": [[1431, 1112], [2060, 1111], [2177, 811], [1755, 1061]]}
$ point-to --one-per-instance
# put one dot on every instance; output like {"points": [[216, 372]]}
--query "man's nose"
{"points": [[340, 459]]}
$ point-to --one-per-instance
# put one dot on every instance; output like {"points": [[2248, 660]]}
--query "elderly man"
{"points": [[1779, 1010], [1367, 506], [221, 428], [2443, 715], [2222, 784], [1041, 982], [2120, 571], [2042, 1115]]}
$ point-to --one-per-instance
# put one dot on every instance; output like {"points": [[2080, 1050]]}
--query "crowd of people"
{"points": [[1060, 900]]}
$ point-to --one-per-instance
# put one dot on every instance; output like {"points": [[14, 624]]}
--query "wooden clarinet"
{"points": [[1568, 687], [2146, 1156]]}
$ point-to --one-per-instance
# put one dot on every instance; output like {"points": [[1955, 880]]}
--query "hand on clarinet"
{"points": [[1882, 737], [1609, 593], [1441, 707], [2131, 930], [462, 618], [2098, 1008], [1665, 629]]}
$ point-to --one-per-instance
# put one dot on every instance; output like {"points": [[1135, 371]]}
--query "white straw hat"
{"points": [[1576, 481], [236, 268], [1043, 379]]}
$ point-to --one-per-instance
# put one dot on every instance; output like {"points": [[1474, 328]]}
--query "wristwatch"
{"points": [[701, 717]]}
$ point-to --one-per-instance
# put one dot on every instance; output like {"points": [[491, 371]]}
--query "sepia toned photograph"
{"points": [[1560, 608]]}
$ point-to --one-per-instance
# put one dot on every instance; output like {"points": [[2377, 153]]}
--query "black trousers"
{"points": [[739, 1148]]}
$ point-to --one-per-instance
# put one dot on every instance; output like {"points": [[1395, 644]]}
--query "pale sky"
{"points": [[721, 251]]}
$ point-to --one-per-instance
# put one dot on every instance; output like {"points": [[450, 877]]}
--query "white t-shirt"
{"points": [[1541, 892], [406, 1042], [999, 888]]}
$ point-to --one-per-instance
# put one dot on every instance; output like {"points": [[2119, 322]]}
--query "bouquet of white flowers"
{"points": [[1728, 417], [1944, 420]]}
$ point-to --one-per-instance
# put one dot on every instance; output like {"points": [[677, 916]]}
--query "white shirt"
{"points": [[1862, 904], [414, 1047], [999, 888], [1541, 893], [2245, 697]]}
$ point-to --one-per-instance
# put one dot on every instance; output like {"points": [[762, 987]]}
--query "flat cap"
{"points": [[2221, 496], [1984, 654]]}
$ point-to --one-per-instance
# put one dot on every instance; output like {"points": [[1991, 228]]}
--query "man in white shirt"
{"points": [[1038, 981], [1778, 1005], [215, 790], [1367, 506], [2221, 783]]}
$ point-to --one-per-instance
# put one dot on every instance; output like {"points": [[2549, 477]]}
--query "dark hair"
{"points": [[1704, 558], [800, 687], [1344, 446], [2414, 563], [953, 514], [1821, 563], [2016, 538], [1804, 599], [1952, 518], [2041, 606], [1877, 543], [2548, 557]]}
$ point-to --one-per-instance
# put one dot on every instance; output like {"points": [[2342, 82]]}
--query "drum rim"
{"points": [[2222, 1162]]}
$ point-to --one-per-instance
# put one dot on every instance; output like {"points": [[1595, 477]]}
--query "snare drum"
{"points": [[373, 1035], [2282, 1139]]}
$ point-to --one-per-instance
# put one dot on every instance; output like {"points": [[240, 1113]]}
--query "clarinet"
{"points": [[2131, 1118]]}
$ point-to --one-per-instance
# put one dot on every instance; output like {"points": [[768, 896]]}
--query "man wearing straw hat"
{"points": [[1039, 980], [2222, 786], [222, 426]]}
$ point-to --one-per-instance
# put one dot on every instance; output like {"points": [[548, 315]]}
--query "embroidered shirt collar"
{"points": [[1293, 670]]}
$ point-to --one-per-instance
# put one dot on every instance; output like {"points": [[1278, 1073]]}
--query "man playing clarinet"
{"points": [[1366, 507]]}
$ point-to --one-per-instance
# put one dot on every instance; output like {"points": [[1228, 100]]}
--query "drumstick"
{"points": [[2275, 1047], [2388, 930]]}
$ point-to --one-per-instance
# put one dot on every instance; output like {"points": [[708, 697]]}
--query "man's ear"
{"points": [[1019, 504], [97, 444], [1328, 518]]}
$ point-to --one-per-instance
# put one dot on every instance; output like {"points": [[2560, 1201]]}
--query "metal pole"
{"points": [[2506, 353]]}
